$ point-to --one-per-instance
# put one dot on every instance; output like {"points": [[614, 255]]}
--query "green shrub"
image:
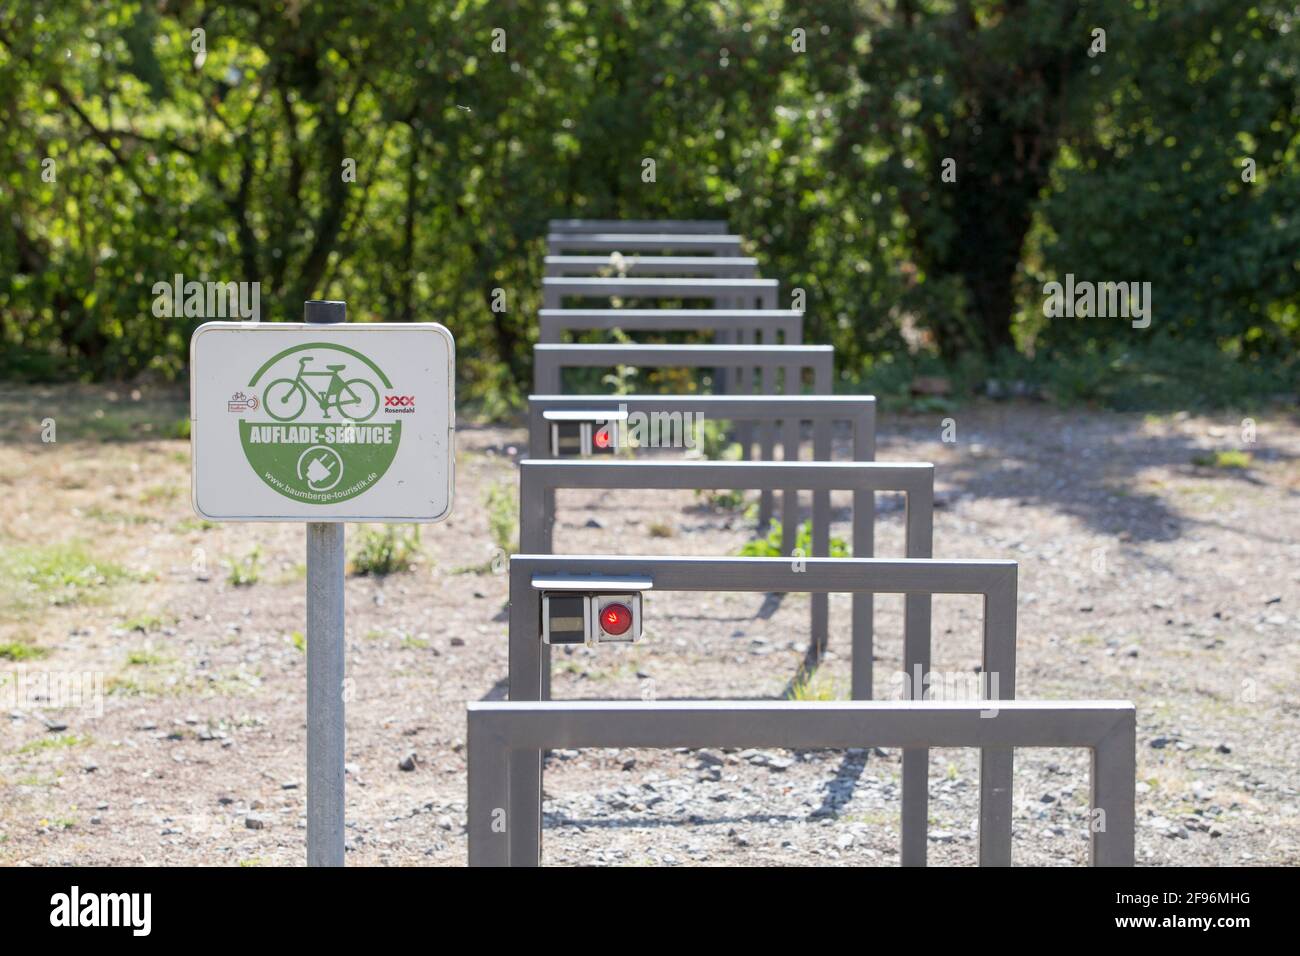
{"points": [[503, 516], [770, 547], [246, 570], [388, 549]]}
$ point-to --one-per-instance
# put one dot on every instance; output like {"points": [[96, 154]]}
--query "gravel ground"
{"points": [[1143, 575]]}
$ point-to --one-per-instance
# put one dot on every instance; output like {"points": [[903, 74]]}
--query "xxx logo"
{"points": [[395, 401]]}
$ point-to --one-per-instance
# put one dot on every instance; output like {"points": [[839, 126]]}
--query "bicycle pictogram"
{"points": [[286, 398]]}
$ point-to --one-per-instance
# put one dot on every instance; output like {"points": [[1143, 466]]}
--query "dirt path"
{"points": [[1142, 576]]}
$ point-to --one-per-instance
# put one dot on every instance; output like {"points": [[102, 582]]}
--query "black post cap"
{"points": [[324, 311]]}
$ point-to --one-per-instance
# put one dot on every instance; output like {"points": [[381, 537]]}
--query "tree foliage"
{"points": [[826, 153]]}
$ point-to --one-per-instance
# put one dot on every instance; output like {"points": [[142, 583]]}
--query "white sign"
{"points": [[331, 422]]}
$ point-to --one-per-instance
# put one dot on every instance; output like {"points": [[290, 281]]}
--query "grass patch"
{"points": [[144, 659], [386, 550], [770, 547], [1230, 460], [292, 574], [155, 494], [814, 686], [722, 500], [503, 516], [109, 516], [22, 651], [195, 524], [414, 643], [57, 574], [659, 529], [53, 743], [146, 623], [502, 506], [299, 640], [247, 570]]}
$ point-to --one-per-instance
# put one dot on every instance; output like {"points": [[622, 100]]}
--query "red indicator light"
{"points": [[602, 438], [615, 619]]}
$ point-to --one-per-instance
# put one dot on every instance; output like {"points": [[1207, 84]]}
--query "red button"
{"points": [[615, 619]]}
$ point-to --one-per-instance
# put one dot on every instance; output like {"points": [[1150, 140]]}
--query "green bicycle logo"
{"points": [[296, 443], [285, 399]]}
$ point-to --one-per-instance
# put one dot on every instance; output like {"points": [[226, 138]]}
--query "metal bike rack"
{"points": [[539, 480], [735, 362], [858, 412], [656, 226], [768, 412], [738, 293], [717, 267], [548, 360], [753, 326], [995, 580], [501, 735]]}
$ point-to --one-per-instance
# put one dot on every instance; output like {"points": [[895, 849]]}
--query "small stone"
{"points": [[1160, 743], [444, 822], [1223, 749], [253, 822], [289, 785], [457, 642], [1130, 651], [594, 523], [407, 763]]}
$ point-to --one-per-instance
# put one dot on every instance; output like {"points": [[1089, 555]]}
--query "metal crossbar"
{"points": [[657, 226], [501, 735], [857, 411], [994, 580], [763, 324], [719, 267], [548, 360], [768, 412], [630, 243], [739, 293]]}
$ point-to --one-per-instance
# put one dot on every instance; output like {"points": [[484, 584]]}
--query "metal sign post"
{"points": [[325, 723], [323, 422]]}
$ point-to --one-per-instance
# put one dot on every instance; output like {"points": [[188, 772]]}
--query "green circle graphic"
{"points": [[313, 436]]}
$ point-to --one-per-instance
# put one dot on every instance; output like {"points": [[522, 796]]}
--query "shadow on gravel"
{"points": [[1084, 467]]}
